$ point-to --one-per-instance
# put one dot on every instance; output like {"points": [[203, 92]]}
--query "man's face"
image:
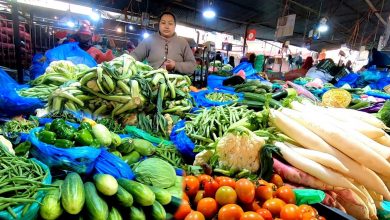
{"points": [[167, 25]]}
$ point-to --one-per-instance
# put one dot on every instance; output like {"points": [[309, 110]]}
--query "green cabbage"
{"points": [[227, 67], [155, 172]]}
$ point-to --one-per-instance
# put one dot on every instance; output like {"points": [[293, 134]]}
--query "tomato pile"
{"points": [[224, 198]]}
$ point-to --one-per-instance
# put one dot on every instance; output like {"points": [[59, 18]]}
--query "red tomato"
{"points": [[306, 211], [289, 212], [226, 195], [251, 216], [245, 190], [183, 210], [254, 206], [230, 212], [208, 207], [195, 215], [202, 179], [277, 180], [265, 213], [321, 218], [192, 185], [286, 194], [225, 181], [264, 192], [210, 188], [274, 205], [199, 196], [185, 197]]}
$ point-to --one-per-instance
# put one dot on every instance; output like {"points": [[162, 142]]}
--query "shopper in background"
{"points": [[301, 72], [165, 49], [252, 58], [231, 61]]}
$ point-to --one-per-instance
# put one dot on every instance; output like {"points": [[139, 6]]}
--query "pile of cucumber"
{"points": [[105, 197]]}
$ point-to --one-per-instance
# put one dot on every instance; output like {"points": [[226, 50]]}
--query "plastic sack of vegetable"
{"points": [[201, 97], [108, 163], [308, 196], [182, 142], [11, 104], [78, 159], [32, 211]]}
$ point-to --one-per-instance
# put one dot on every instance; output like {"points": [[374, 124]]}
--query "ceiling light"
{"points": [[70, 24], [94, 16], [322, 26], [209, 13], [55, 17], [145, 35], [131, 27], [119, 30]]}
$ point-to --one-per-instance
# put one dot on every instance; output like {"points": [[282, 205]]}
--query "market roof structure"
{"points": [[350, 21]]}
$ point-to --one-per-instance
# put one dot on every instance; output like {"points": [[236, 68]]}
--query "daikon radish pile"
{"points": [[341, 140], [384, 140], [322, 173], [309, 140], [324, 159]]}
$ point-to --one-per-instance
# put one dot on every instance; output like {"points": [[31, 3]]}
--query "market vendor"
{"points": [[165, 49]]}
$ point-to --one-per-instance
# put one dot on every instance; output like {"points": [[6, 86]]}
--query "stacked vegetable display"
{"points": [[104, 197]]}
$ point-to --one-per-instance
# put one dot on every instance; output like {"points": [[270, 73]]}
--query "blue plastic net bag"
{"points": [[201, 99], [182, 142], [78, 159], [11, 104], [32, 212]]}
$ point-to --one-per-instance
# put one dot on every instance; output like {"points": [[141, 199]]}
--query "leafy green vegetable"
{"points": [[266, 161], [384, 113], [155, 172]]}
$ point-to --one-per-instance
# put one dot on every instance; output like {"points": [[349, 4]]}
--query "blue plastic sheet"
{"points": [[350, 79], [246, 67], [37, 69], [182, 142], [215, 82], [108, 163], [71, 52], [202, 101], [11, 104]]}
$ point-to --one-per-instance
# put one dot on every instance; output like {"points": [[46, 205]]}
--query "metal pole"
{"points": [[32, 27], [369, 3], [18, 53], [245, 36]]}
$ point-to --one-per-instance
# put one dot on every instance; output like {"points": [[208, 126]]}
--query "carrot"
{"points": [[350, 122], [343, 141], [324, 159], [322, 173], [309, 140], [384, 140]]}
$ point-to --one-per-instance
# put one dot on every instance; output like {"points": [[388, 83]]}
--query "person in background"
{"points": [[231, 61], [83, 36], [218, 56], [252, 58], [165, 49], [348, 65], [294, 74]]}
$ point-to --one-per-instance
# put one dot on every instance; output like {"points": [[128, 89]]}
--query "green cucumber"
{"points": [[125, 147], [123, 197], [51, 203], [144, 147], [97, 208], [114, 214], [106, 184], [131, 158], [73, 194], [137, 214], [141, 193], [162, 195], [156, 211], [174, 205]]}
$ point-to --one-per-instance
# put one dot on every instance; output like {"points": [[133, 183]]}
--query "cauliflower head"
{"points": [[240, 150]]}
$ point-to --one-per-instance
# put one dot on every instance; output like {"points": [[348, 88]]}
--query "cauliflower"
{"points": [[203, 157], [239, 149]]}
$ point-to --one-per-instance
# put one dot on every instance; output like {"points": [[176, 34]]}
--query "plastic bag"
{"points": [[108, 163], [308, 196], [215, 82], [182, 142], [32, 212], [37, 69], [350, 79], [385, 212], [136, 132], [201, 100], [11, 104], [247, 67], [78, 159]]}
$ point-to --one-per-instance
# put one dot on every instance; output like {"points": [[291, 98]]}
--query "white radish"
{"points": [[324, 174], [348, 128], [324, 159], [369, 202], [309, 140], [345, 142], [363, 116], [350, 122], [384, 140]]}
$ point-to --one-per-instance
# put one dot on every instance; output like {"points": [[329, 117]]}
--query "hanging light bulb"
{"points": [[209, 11], [323, 27]]}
